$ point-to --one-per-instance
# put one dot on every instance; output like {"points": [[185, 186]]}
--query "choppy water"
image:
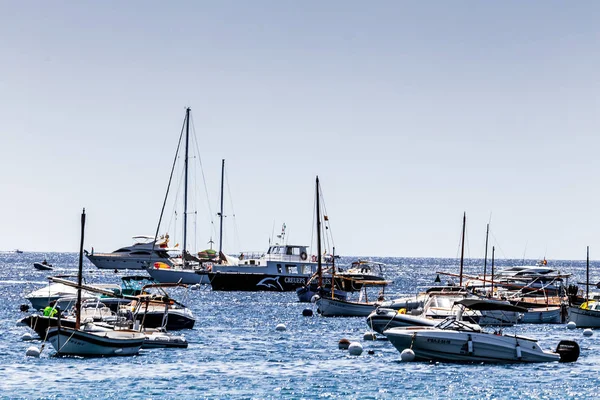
{"points": [[235, 351]]}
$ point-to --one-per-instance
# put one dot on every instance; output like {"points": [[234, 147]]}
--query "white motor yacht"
{"points": [[144, 252]]}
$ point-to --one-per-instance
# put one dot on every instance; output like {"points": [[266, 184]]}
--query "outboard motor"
{"points": [[568, 350]]}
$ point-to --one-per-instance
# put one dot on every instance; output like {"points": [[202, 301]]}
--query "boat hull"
{"points": [[69, 341], [584, 318], [174, 275], [119, 262], [254, 282], [431, 344], [42, 267], [543, 315], [329, 307]]}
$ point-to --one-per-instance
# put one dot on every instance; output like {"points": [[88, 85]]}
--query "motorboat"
{"points": [[362, 270], [459, 341], [439, 303], [42, 266], [284, 267], [144, 252], [40, 298]]}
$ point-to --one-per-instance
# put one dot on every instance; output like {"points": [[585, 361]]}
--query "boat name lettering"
{"points": [[440, 341], [294, 280]]}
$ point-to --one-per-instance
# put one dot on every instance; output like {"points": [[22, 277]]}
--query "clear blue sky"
{"points": [[410, 113]]}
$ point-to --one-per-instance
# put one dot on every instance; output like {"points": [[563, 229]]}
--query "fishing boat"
{"points": [[459, 341], [332, 307], [87, 340]]}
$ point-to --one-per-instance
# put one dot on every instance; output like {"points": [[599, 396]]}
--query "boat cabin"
{"points": [[287, 253]]}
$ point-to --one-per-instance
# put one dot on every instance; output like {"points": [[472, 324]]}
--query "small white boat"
{"points": [[458, 341], [587, 315], [333, 307], [93, 342]]}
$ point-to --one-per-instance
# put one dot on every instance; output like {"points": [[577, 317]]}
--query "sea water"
{"points": [[236, 352]]}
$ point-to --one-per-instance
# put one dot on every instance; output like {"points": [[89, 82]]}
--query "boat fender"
{"points": [[32, 351], [407, 355], [303, 256], [519, 354], [402, 311], [588, 332], [470, 345], [568, 350], [314, 258], [355, 349]]}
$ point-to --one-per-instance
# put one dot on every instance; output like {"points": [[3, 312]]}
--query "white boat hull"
{"points": [[339, 308], [444, 345], [119, 262], [68, 341], [584, 318], [175, 275]]}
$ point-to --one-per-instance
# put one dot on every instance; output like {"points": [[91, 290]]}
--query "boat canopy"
{"points": [[485, 305]]}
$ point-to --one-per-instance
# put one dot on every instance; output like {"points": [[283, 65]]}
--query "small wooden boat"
{"points": [[42, 266]]}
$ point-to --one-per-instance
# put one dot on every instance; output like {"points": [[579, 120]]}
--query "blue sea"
{"points": [[235, 351]]}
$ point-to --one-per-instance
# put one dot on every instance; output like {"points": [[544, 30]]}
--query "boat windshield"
{"points": [[451, 323]]}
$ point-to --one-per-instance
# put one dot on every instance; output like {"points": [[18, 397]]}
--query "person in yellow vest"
{"points": [[50, 310]]}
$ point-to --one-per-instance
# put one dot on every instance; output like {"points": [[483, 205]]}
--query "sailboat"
{"points": [[327, 303], [86, 340], [189, 270], [587, 315]]}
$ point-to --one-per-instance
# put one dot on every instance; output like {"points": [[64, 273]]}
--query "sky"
{"points": [[410, 113]]}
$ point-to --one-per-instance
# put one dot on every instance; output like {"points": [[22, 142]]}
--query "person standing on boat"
{"points": [[50, 310]]}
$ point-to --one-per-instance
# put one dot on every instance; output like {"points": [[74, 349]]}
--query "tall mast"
{"points": [[185, 183], [319, 270], [493, 254], [221, 213], [462, 251], [79, 275], [587, 275], [487, 234]]}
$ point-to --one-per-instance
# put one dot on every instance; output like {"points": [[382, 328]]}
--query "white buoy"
{"points": [[588, 332], [32, 352], [315, 298], [195, 287], [280, 327], [369, 336], [571, 325], [355, 349], [26, 337], [407, 355]]}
